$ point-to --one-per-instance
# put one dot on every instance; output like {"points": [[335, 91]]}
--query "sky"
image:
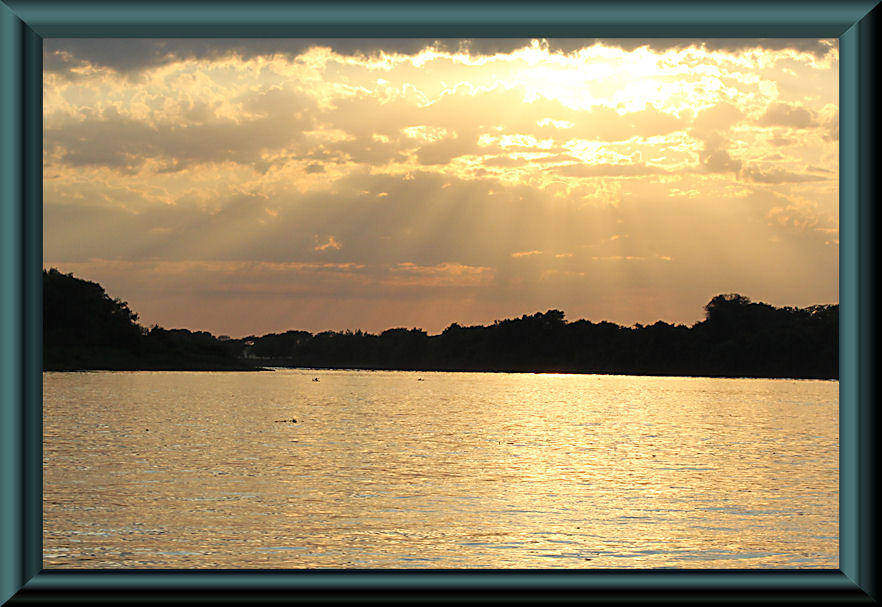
{"points": [[252, 186]]}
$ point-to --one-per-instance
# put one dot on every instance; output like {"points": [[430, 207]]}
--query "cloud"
{"points": [[606, 170], [131, 55], [817, 169], [330, 244], [499, 113], [717, 118], [506, 161], [291, 122], [121, 142], [442, 152], [443, 274], [719, 161], [371, 188], [829, 118], [606, 124], [798, 215], [619, 258], [780, 141], [715, 158], [785, 114], [778, 175]]}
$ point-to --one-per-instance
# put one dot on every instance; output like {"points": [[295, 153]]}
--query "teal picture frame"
{"points": [[25, 23]]}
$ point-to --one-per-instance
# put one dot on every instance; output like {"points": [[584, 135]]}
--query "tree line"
{"points": [[737, 338], [84, 328]]}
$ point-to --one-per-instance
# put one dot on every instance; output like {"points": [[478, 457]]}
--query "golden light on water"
{"points": [[461, 470]]}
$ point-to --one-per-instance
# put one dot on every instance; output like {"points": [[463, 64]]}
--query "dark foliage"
{"points": [[84, 328], [737, 338]]}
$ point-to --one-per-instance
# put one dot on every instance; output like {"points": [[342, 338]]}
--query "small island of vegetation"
{"points": [[84, 328]]}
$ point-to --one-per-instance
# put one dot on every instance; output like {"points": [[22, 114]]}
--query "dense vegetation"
{"points": [[83, 328], [737, 338]]}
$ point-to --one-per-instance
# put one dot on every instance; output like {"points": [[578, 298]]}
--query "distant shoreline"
{"points": [[553, 372], [85, 329], [273, 367], [150, 368]]}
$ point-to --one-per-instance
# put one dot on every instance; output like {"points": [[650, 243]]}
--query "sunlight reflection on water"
{"points": [[460, 470]]}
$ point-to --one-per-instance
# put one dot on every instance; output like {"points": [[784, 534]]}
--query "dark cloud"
{"points": [[130, 55], [814, 46]]}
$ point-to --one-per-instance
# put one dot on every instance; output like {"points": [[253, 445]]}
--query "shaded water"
{"points": [[459, 470]]}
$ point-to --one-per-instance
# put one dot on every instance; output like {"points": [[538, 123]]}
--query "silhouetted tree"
{"points": [[84, 327], [737, 337]]}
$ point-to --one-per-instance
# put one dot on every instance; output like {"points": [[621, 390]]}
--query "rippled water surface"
{"points": [[437, 470]]}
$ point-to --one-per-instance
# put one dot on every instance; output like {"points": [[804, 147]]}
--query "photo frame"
{"points": [[25, 23]]}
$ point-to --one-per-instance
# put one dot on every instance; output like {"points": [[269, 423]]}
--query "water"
{"points": [[459, 470]]}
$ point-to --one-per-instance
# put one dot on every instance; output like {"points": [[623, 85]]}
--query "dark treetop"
{"points": [[85, 329]]}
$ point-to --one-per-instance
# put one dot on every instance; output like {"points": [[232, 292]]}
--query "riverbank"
{"points": [[74, 358], [84, 328], [151, 368], [277, 364]]}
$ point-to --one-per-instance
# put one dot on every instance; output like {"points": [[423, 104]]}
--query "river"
{"points": [[387, 469]]}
